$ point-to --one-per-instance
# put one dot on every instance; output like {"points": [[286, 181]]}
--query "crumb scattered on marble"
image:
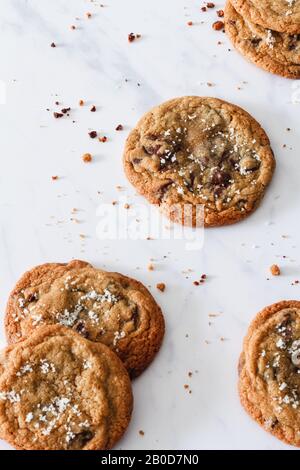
{"points": [[275, 270]]}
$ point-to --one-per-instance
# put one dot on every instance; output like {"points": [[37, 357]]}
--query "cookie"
{"points": [[103, 307], [59, 391], [278, 53], [196, 153], [269, 368], [278, 15]]}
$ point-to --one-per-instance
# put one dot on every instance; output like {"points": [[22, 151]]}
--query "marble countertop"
{"points": [[96, 63]]}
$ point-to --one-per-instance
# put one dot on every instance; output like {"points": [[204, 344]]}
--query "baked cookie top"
{"points": [[279, 15], [106, 307], [278, 53], [194, 151], [270, 370], [59, 391]]}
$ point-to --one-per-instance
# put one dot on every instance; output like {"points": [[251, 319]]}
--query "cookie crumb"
{"points": [[87, 158], [58, 115], [81, 103], [126, 206], [93, 134], [53, 44], [161, 286], [93, 109], [132, 37], [103, 139], [218, 25], [150, 267], [190, 23], [88, 14], [141, 432], [275, 270], [119, 127], [54, 178]]}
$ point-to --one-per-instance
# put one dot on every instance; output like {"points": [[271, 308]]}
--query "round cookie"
{"points": [[106, 307], [278, 53], [191, 153], [59, 391], [279, 15], [269, 369]]}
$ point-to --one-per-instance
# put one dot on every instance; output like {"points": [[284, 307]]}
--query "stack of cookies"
{"points": [[269, 371], [267, 32], [77, 335]]}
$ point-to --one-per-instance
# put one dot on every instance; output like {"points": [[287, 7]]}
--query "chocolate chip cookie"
{"points": [[275, 52], [59, 391], [191, 153], [103, 307], [278, 15], [269, 381]]}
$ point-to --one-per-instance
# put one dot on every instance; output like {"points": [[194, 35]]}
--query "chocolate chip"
{"points": [[255, 41], [163, 189], [220, 178], [293, 42], [65, 110], [81, 439], [274, 423], [80, 328], [58, 115], [152, 149], [93, 134], [286, 327], [32, 297]]}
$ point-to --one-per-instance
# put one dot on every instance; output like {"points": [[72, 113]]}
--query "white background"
{"points": [[171, 59]]}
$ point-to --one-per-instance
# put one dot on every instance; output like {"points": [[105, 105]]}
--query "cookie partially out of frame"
{"points": [[279, 15], [269, 366], [104, 307], [278, 53], [59, 391], [193, 152]]}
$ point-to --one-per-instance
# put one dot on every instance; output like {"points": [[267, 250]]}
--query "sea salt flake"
{"points": [[29, 418]]}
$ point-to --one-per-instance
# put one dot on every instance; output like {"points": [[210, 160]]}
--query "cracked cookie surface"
{"points": [[59, 391], [269, 369], [104, 307], [278, 53], [279, 15], [193, 151]]}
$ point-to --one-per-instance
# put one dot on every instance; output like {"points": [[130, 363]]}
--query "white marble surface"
{"points": [[171, 59]]}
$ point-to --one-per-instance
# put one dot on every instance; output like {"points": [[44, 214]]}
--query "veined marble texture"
{"points": [[38, 223]]}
